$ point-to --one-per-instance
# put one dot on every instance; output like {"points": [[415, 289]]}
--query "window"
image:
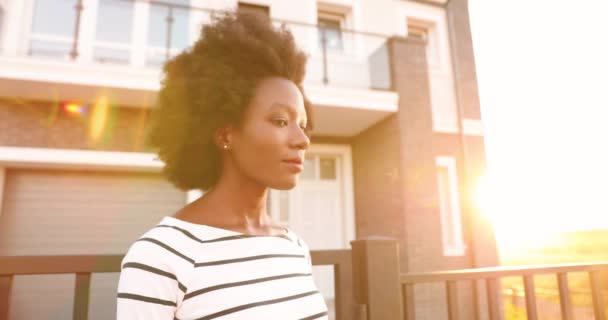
{"points": [[425, 31], [327, 168], [263, 11], [330, 30], [417, 32], [163, 18], [53, 28], [449, 207], [113, 31]]}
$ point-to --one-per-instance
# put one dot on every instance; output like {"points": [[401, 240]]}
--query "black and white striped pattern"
{"points": [[180, 270]]}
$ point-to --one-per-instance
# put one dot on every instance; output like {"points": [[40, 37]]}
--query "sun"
{"points": [[513, 211]]}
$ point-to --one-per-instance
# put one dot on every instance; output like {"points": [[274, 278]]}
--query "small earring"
{"points": [[225, 146]]}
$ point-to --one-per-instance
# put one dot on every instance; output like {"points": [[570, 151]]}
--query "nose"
{"points": [[300, 139]]}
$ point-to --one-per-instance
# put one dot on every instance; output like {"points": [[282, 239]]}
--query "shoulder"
{"points": [[161, 246], [298, 240]]}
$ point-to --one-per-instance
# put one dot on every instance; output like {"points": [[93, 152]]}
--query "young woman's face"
{"points": [[269, 146]]}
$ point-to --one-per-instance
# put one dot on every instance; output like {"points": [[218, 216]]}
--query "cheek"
{"points": [[261, 151]]}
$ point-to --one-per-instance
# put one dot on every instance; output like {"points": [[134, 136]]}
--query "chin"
{"points": [[286, 184]]}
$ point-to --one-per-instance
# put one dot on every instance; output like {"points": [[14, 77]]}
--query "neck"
{"points": [[237, 201]]}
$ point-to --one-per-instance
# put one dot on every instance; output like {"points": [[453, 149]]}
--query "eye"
{"points": [[280, 122]]}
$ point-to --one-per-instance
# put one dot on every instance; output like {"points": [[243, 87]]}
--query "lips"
{"points": [[295, 164], [294, 160]]}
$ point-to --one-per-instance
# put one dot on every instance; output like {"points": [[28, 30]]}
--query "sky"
{"points": [[542, 70]]}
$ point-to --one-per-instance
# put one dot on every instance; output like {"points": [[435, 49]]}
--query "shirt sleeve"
{"points": [[148, 287]]}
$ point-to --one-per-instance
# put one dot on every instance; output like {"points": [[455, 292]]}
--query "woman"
{"points": [[232, 120]]}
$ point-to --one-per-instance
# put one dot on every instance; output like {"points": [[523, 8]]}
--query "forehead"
{"points": [[277, 93]]}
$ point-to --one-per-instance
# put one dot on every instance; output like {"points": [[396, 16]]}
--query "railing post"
{"points": [[596, 294], [170, 20], [324, 49], [564, 297], [409, 303], [6, 284], [81, 296], [451, 288], [530, 289], [376, 279], [493, 303], [78, 7], [343, 275]]}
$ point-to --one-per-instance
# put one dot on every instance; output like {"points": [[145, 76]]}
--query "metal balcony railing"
{"points": [[139, 33]]}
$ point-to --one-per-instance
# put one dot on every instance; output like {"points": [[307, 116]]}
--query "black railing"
{"points": [[360, 60]]}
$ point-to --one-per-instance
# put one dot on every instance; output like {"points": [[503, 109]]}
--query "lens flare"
{"points": [[74, 108], [98, 120]]}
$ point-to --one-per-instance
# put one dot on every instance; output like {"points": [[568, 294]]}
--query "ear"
{"points": [[223, 137]]}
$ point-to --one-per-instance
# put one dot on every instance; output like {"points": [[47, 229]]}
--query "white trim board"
{"points": [[470, 127], [78, 159], [2, 184]]}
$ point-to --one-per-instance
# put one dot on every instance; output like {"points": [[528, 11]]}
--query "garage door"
{"points": [[76, 212]]}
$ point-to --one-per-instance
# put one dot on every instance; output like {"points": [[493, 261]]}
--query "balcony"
{"points": [[82, 49]]}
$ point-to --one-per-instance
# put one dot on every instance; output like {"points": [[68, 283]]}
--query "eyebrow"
{"points": [[290, 109]]}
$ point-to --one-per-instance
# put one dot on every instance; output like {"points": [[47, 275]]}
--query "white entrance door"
{"points": [[318, 209]]}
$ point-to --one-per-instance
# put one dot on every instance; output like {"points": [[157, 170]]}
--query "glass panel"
{"points": [[1, 21], [309, 169], [333, 34], [56, 17], [328, 168], [107, 55], [50, 49], [284, 206], [445, 204], [155, 58], [157, 25], [114, 21]]}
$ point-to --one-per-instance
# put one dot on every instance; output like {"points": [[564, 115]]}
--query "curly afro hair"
{"points": [[209, 85]]}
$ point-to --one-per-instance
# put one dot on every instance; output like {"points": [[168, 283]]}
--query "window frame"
{"points": [[351, 42], [338, 18], [254, 8], [431, 38], [452, 246]]}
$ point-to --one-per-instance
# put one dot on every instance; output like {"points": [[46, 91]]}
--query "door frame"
{"points": [[344, 152]]}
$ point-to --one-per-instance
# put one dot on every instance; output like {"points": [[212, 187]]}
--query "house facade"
{"points": [[397, 148]]}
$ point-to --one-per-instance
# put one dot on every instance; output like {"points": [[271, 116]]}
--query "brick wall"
{"points": [[378, 183], [46, 125]]}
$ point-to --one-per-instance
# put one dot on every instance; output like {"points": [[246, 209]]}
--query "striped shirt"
{"points": [[182, 270]]}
